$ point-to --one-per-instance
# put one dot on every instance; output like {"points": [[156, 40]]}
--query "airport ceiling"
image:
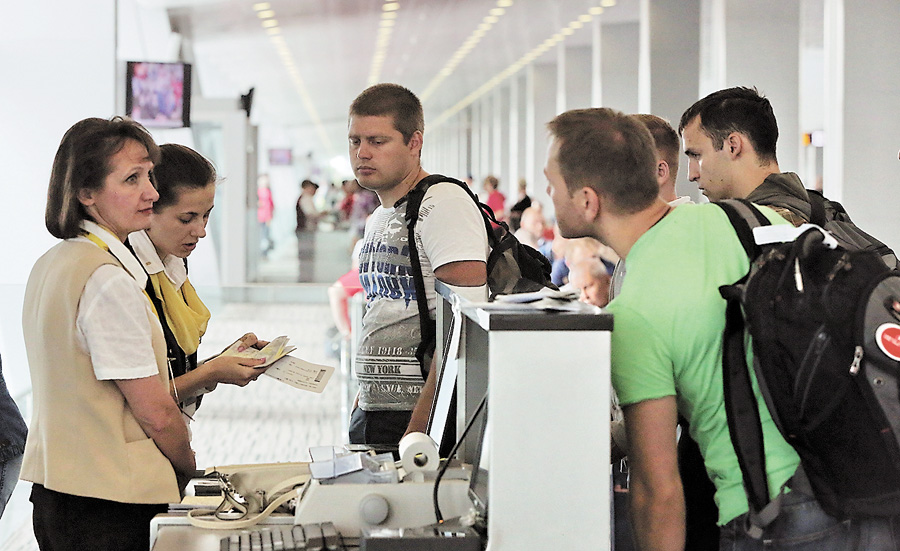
{"points": [[308, 59]]}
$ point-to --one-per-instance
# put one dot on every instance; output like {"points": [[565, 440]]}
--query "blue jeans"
{"points": [[804, 526], [9, 475]]}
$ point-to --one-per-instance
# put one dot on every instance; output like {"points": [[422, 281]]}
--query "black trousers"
{"points": [[379, 429], [63, 522]]}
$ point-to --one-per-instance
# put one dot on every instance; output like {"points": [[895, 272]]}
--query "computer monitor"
{"points": [[442, 420]]}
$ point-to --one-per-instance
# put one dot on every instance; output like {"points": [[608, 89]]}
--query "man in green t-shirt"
{"points": [[667, 341]]}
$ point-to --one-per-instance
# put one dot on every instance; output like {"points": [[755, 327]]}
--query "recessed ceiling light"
{"points": [[270, 23], [585, 18], [497, 11], [391, 6], [491, 19], [389, 15], [607, 3], [596, 10], [261, 6], [504, 3], [265, 14], [387, 23]]}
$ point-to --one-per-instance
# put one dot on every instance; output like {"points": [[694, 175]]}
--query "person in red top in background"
{"points": [[265, 207], [495, 199]]}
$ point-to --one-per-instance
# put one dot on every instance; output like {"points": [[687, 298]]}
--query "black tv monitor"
{"points": [[158, 95]]}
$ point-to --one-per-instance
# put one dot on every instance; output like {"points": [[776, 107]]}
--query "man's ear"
{"points": [[662, 171], [734, 144], [589, 202], [415, 142]]}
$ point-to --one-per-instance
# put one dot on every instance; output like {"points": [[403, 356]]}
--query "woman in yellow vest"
{"points": [[186, 183], [106, 438]]}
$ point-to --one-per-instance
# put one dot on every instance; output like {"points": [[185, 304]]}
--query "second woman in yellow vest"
{"points": [[186, 183]]}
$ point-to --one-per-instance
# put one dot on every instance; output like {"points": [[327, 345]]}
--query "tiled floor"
{"points": [[266, 421]]}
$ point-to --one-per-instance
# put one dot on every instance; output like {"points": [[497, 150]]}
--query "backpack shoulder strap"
{"points": [[744, 216], [742, 411], [427, 328], [413, 203], [817, 207]]}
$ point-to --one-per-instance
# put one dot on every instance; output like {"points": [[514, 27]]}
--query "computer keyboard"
{"points": [[305, 537]]}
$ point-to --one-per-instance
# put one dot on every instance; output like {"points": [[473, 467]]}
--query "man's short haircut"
{"points": [[739, 109], [666, 138], [180, 167], [82, 163], [610, 152], [391, 100]]}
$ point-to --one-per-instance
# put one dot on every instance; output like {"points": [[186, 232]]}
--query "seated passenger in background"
{"points": [[523, 201], [591, 277], [531, 227], [187, 188]]}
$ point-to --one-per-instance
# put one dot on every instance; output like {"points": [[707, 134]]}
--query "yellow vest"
{"points": [[83, 439]]}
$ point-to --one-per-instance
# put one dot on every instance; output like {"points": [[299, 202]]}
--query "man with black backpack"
{"points": [[667, 347], [730, 138], [386, 126]]}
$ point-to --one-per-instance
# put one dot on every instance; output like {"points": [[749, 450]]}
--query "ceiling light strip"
{"points": [[385, 31], [467, 46], [270, 24], [536, 52]]}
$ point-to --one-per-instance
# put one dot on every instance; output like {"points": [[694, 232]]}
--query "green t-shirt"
{"points": [[667, 339]]}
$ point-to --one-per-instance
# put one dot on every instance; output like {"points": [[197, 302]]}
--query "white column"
{"points": [[560, 77], [530, 125], [620, 66], [644, 76], [514, 131], [578, 90], [712, 46], [764, 51], [544, 103], [498, 129], [484, 130], [479, 171], [674, 60], [864, 132], [596, 64]]}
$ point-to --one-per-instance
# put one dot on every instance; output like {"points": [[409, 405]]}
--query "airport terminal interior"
{"points": [[262, 89]]}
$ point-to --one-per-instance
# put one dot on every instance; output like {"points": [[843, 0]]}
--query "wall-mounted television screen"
{"points": [[158, 95]]}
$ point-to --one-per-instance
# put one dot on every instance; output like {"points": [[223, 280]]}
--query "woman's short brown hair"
{"points": [[82, 163]]}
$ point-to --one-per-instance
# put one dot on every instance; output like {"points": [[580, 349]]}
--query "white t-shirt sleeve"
{"points": [[452, 228], [113, 326]]}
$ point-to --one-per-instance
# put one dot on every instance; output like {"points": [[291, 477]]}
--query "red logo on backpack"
{"points": [[887, 336]]}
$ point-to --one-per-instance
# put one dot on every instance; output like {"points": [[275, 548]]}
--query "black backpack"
{"points": [[511, 266], [832, 216], [825, 325]]}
